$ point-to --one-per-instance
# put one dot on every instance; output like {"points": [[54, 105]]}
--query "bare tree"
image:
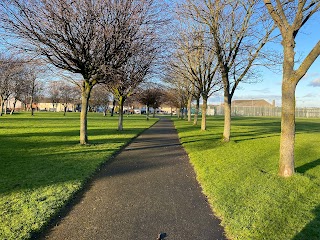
{"points": [[290, 17], [54, 92], [171, 99], [151, 96], [67, 94], [114, 103], [131, 75], [18, 89], [10, 75], [198, 65], [101, 98], [239, 31], [91, 38], [179, 90], [33, 87]]}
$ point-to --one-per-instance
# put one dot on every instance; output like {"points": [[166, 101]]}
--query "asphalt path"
{"points": [[148, 191]]}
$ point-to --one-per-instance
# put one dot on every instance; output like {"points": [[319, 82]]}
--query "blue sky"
{"points": [[269, 87]]}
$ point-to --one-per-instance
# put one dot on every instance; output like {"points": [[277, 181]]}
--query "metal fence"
{"points": [[268, 112]]}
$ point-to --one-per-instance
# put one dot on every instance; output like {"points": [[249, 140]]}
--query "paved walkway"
{"points": [[149, 188]]}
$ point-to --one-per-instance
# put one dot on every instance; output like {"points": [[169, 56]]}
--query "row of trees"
{"points": [[106, 42], [220, 45], [116, 43], [17, 85], [18, 81]]}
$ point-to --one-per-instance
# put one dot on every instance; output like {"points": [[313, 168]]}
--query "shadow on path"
{"points": [[148, 190]]}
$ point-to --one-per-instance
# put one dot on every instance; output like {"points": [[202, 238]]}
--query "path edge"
{"points": [[78, 195]]}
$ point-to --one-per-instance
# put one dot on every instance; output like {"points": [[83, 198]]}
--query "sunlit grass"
{"points": [[42, 165], [240, 178]]}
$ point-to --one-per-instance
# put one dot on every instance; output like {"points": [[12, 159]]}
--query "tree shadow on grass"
{"points": [[312, 230], [304, 168], [45, 158]]}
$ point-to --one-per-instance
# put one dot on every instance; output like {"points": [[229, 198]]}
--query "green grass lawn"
{"points": [[42, 165], [240, 178]]}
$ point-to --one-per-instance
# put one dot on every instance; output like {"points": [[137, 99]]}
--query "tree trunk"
{"points": [[105, 111], [189, 107], [204, 114], [113, 107], [227, 118], [2, 106], [154, 112], [147, 112], [85, 95], [31, 108], [6, 107], [120, 121], [287, 139], [65, 110], [14, 106], [178, 112], [25, 105], [196, 114], [185, 113]]}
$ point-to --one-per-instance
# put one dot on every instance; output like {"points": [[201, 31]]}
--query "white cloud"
{"points": [[315, 82], [311, 75], [310, 95]]}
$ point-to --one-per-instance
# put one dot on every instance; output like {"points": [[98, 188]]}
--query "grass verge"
{"points": [[42, 165], [240, 178]]}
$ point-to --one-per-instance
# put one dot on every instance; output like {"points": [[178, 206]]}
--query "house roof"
{"points": [[251, 103]]}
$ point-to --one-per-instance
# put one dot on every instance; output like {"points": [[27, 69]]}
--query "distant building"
{"points": [[18, 107], [46, 104]]}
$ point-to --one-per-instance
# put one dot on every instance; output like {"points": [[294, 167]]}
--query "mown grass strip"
{"points": [[240, 178], [42, 165]]}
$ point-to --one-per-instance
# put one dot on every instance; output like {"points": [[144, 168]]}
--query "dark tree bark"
{"points": [[204, 114], [113, 107], [120, 121], [14, 106], [196, 114], [2, 106], [189, 107], [85, 95]]}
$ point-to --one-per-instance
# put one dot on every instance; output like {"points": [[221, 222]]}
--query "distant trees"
{"points": [[152, 95], [9, 71], [218, 48], [101, 98], [238, 30], [290, 17], [54, 92], [172, 99], [33, 87], [18, 81], [178, 91], [62, 92], [18, 90], [196, 63], [131, 75], [94, 39]]}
